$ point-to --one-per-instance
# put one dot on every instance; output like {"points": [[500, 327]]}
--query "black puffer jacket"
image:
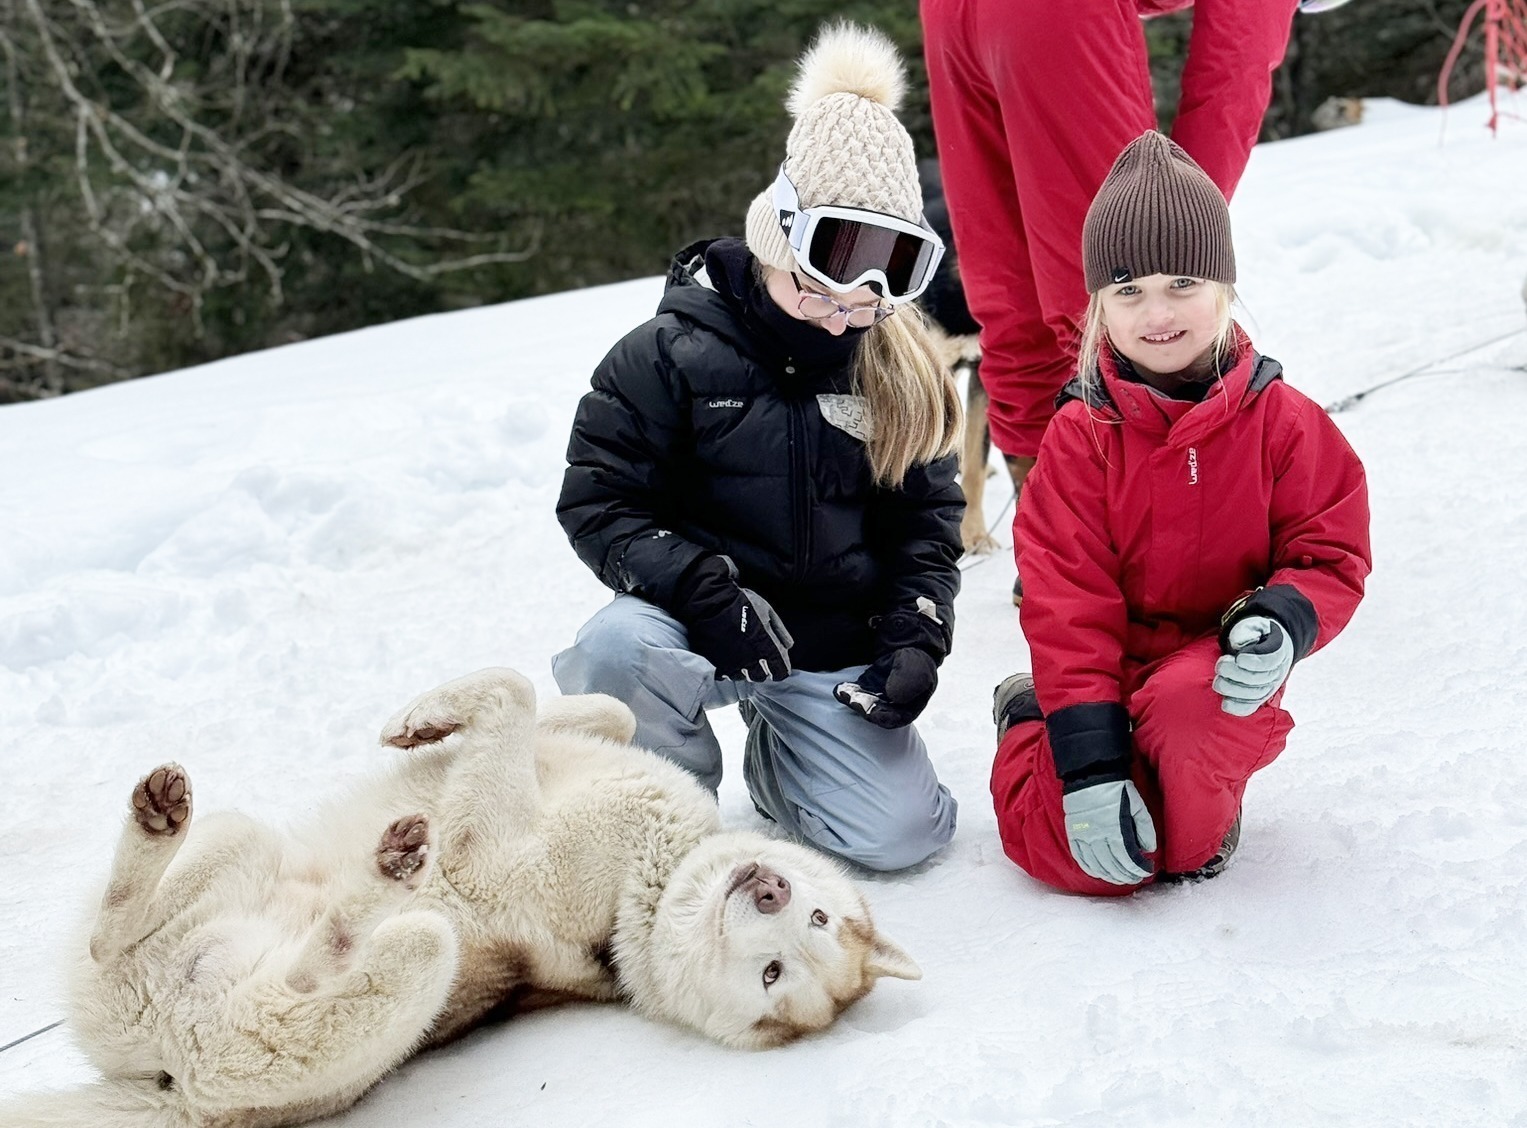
{"points": [[707, 431]]}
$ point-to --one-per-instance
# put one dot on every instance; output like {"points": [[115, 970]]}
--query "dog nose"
{"points": [[771, 892]]}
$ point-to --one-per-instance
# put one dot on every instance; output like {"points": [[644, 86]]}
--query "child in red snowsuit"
{"points": [[1193, 528], [1032, 100]]}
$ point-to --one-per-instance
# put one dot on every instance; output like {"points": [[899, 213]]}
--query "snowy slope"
{"points": [[246, 567]]}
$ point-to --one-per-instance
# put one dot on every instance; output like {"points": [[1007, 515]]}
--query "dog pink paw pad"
{"points": [[424, 734], [404, 848], [162, 800]]}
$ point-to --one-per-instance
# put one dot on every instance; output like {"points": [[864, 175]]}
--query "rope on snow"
{"points": [[29, 1037], [1420, 370]]}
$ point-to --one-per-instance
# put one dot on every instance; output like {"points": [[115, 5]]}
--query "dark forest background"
{"points": [[182, 180]]}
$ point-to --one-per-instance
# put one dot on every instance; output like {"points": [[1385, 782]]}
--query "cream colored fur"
{"points": [[235, 977], [848, 59]]}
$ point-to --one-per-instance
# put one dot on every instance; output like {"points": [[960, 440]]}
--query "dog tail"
{"points": [[101, 1104]]}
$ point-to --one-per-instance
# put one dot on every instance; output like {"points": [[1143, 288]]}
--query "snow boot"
{"points": [[1216, 863], [1014, 700]]}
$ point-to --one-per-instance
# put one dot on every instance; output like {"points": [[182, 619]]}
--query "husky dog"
{"points": [[240, 978]]}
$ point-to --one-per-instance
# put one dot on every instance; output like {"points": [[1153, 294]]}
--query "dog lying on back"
{"points": [[237, 977]]}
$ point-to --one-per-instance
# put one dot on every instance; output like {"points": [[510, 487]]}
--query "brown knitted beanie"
{"points": [[847, 146], [1156, 213]]}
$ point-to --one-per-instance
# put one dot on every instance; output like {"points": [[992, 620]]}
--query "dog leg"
{"points": [[975, 453], [491, 794], [402, 858], [591, 714], [156, 828]]}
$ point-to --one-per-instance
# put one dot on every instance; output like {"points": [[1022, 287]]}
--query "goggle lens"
{"points": [[842, 250]]}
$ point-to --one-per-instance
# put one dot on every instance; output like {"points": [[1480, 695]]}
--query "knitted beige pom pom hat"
{"points": [[847, 146], [1156, 213]]}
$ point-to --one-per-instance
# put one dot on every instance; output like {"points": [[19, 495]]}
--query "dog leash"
{"points": [[1420, 370], [29, 1037]]}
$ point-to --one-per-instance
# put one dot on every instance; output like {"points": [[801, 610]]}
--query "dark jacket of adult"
{"points": [[725, 426]]}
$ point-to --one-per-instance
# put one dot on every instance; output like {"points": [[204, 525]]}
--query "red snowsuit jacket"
{"points": [[1146, 519]]}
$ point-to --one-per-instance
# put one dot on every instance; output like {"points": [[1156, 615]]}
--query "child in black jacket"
{"points": [[763, 473]]}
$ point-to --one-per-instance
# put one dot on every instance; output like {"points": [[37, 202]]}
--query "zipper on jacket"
{"points": [[799, 478]]}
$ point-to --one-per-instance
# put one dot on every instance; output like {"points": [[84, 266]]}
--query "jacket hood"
{"points": [[693, 293]]}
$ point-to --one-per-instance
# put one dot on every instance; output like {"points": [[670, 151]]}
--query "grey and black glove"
{"points": [[1110, 831], [1258, 656], [1108, 827], [731, 626], [899, 683]]}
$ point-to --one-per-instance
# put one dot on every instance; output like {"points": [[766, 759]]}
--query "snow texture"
{"points": [[248, 566]]}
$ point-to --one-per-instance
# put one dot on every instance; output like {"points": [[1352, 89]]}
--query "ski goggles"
{"points": [[845, 248], [1310, 7]]}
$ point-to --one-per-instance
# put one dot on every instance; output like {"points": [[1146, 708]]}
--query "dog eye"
{"points": [[772, 973], [819, 918]]}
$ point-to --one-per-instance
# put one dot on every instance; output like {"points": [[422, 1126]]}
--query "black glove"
{"points": [[899, 683], [732, 627]]}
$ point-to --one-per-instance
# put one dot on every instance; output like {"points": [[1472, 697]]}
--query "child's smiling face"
{"points": [[1164, 323]]}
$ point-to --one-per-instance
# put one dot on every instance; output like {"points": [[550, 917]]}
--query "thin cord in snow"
{"points": [[29, 1037], [1420, 370]]}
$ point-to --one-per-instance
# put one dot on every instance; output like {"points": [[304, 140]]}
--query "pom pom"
{"points": [[849, 59]]}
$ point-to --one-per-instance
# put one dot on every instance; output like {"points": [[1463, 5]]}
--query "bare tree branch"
{"points": [[206, 182]]}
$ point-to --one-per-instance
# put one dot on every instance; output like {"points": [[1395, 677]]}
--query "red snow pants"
{"points": [[1192, 761], [1033, 100]]}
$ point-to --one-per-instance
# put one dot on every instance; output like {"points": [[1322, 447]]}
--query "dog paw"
{"points": [[433, 716], [413, 731], [404, 849], [162, 800], [976, 541]]}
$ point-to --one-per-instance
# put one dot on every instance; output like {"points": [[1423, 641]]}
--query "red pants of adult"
{"points": [[1033, 100], [1192, 761]]}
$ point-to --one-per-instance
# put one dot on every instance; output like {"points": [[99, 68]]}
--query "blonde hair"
{"points": [[911, 399], [1095, 332]]}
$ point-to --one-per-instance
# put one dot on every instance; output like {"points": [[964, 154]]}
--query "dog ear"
{"points": [[887, 959]]}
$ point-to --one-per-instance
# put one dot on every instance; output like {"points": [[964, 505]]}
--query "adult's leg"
{"points": [[639, 654], [1199, 756], [985, 214], [1074, 83], [1032, 102], [850, 788]]}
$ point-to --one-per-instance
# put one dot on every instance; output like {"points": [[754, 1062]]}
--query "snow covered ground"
{"points": [[246, 567]]}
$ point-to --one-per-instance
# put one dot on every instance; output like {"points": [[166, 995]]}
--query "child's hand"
{"points": [[1110, 831], [898, 684], [1261, 655], [894, 689]]}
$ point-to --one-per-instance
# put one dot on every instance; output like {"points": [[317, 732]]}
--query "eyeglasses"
{"points": [[820, 307], [845, 248]]}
